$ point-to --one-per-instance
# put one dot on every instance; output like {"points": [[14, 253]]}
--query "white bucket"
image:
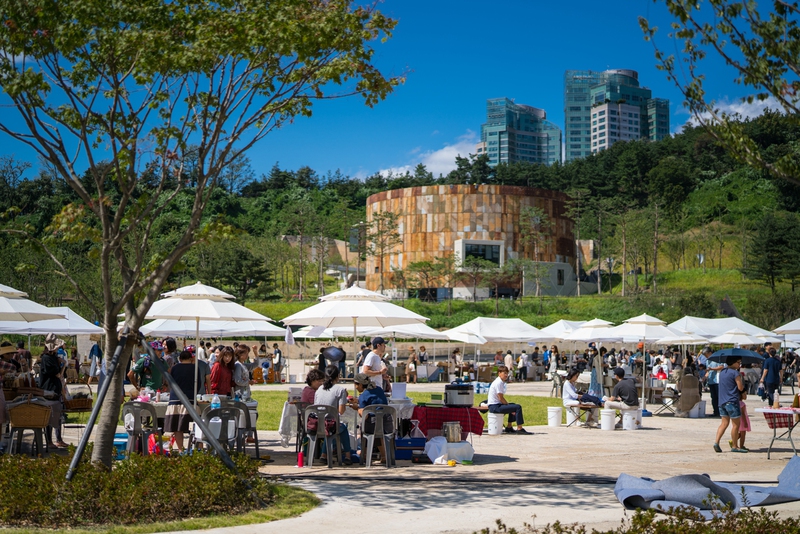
{"points": [[629, 419], [572, 415], [554, 416], [293, 379], [607, 419], [495, 423], [452, 378], [701, 410], [694, 413]]}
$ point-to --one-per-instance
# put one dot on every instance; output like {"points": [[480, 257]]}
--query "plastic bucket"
{"points": [[495, 424], [607, 419], [293, 379], [694, 413], [553, 416], [629, 419], [572, 415], [701, 410]]}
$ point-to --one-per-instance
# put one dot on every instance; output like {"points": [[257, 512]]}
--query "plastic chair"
{"points": [[379, 411], [323, 413], [248, 426], [301, 428], [145, 424], [227, 415]]}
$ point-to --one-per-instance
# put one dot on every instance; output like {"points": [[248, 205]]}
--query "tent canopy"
{"points": [[715, 327], [216, 329], [499, 330], [71, 325]]}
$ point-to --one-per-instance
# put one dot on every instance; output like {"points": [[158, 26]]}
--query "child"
{"points": [[744, 425]]}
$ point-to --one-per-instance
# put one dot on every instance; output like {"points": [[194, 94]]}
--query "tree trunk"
{"points": [[655, 251], [624, 260]]}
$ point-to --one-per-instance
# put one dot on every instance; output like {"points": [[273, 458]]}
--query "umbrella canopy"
{"points": [[354, 293], [413, 330], [332, 313], [789, 328], [736, 337], [561, 328], [682, 338], [70, 324], [730, 355], [715, 327], [315, 332], [198, 290], [469, 338], [642, 328], [500, 330], [217, 329], [771, 339], [14, 306], [594, 330]]}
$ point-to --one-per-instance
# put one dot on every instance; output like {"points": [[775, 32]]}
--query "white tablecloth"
{"points": [[440, 451]]}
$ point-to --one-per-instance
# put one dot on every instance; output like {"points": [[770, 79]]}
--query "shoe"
{"points": [[744, 449], [740, 450], [522, 431], [347, 461], [618, 426], [730, 443], [60, 445], [250, 440], [717, 448], [509, 430]]}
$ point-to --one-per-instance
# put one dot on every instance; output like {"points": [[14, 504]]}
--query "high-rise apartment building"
{"points": [[601, 108], [515, 132]]}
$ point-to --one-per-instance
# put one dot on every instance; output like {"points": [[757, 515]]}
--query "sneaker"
{"points": [[740, 450], [717, 448], [509, 430], [730, 443], [522, 431]]}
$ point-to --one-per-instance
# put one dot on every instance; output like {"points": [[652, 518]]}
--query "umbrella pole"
{"points": [[196, 357], [355, 355]]}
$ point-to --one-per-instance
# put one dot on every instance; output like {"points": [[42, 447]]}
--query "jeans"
{"points": [[343, 370], [514, 411], [771, 388], [522, 373], [344, 435], [731, 409]]}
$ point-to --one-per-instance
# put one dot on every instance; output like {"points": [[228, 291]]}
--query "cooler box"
{"points": [[406, 447], [120, 443], [459, 395]]}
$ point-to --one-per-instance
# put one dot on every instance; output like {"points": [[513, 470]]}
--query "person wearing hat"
{"points": [[144, 374], [373, 364], [7, 353], [370, 394], [51, 374]]}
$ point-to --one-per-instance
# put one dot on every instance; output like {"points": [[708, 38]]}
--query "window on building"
{"points": [[602, 112], [485, 252]]}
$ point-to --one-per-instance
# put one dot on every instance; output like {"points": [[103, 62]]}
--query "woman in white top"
{"points": [[571, 397], [332, 394]]}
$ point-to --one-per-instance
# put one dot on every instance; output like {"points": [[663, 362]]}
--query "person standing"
{"points": [[222, 372], [24, 354], [498, 404], [51, 376], [422, 355], [171, 355], [241, 373], [411, 366], [771, 376], [712, 380], [277, 363], [730, 386], [373, 364], [177, 418], [509, 363], [522, 367]]}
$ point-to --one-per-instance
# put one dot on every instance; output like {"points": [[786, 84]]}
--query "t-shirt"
{"points": [[498, 386], [183, 373], [728, 390], [336, 396], [370, 397], [373, 361], [148, 377], [307, 395], [276, 357], [773, 367], [625, 389]]}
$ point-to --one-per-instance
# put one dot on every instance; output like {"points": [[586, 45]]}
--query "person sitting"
{"points": [[498, 404], [314, 380], [572, 398], [369, 394], [51, 375], [623, 396], [144, 374], [332, 394]]}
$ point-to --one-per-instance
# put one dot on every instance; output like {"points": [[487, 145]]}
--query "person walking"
{"points": [[730, 386], [771, 376]]}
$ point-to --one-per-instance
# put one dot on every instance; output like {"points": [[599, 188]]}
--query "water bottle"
{"points": [[215, 402], [236, 397]]}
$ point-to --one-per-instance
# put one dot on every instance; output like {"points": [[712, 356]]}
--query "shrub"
{"points": [[141, 489]]}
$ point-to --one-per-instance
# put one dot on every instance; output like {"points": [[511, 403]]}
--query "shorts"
{"points": [[731, 409]]}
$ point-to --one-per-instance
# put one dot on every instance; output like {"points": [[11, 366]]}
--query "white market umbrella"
{"points": [[736, 337], [501, 330], [716, 327], [594, 330], [771, 339], [683, 338], [215, 329], [415, 330], [352, 307], [201, 302], [70, 324], [15, 306], [641, 328], [789, 328], [561, 328]]}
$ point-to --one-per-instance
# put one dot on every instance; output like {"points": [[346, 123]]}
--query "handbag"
{"points": [[761, 392]]}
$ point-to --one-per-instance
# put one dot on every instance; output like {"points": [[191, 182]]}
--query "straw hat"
{"points": [[7, 349], [52, 343]]}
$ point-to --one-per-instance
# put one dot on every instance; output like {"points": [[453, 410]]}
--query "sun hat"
{"points": [[52, 343], [364, 380], [7, 349]]}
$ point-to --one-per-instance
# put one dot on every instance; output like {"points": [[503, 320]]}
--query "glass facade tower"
{"points": [[601, 108], [515, 132]]}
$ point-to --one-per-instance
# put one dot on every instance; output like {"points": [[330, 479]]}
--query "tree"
{"points": [[446, 270], [137, 92], [536, 232], [575, 208], [473, 270], [775, 249], [759, 44], [382, 237]]}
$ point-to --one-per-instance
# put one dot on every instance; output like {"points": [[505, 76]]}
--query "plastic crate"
{"points": [[406, 447]]}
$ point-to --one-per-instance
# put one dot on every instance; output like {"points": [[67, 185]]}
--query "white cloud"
{"points": [[743, 109], [440, 161]]}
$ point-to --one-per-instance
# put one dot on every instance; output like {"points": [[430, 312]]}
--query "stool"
{"points": [[630, 419], [495, 423], [36, 446]]}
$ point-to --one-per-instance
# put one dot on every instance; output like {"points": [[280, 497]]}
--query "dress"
{"points": [[744, 422], [177, 418]]}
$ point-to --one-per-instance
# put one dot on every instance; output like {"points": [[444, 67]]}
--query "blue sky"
{"points": [[456, 55]]}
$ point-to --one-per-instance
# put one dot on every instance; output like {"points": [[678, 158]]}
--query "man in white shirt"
{"points": [[498, 404], [373, 365]]}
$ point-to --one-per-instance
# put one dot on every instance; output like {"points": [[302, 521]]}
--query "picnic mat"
{"points": [[693, 491]]}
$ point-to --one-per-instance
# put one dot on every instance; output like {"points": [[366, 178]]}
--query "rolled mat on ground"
{"points": [[693, 491]]}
